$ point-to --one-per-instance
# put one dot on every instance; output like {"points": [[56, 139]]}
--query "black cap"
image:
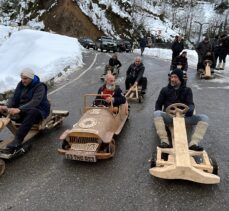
{"points": [[179, 74]]}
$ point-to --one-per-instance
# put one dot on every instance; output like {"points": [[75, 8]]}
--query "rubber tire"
{"points": [[152, 163], [2, 166], [214, 165], [64, 144]]}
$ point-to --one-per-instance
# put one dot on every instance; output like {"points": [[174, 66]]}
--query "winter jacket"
{"points": [[169, 95], [32, 96], [180, 60], [114, 62], [135, 71], [117, 94], [224, 45], [142, 43], [203, 48], [177, 47]]}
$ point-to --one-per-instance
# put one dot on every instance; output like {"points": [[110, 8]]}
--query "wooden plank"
{"points": [[207, 71], [180, 143]]}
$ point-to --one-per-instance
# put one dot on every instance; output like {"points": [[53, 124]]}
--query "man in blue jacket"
{"points": [[177, 92], [29, 103]]}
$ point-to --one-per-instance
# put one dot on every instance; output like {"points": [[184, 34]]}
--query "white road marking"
{"points": [[77, 78]]}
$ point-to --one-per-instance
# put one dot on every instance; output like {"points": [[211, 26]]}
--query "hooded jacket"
{"points": [[32, 96]]}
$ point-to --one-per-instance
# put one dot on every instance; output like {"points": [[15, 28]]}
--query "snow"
{"points": [[47, 54]]}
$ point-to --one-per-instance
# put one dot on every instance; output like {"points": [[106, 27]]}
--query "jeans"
{"points": [[192, 120]]}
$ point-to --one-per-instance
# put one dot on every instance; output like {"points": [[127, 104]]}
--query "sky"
{"points": [[48, 54]]}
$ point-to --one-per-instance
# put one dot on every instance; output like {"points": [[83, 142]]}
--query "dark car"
{"points": [[123, 45], [87, 43], [106, 43]]}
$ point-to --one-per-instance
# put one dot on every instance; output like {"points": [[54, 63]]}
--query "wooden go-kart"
{"points": [[207, 72], [91, 138], [55, 119], [110, 70], [179, 162], [135, 94]]}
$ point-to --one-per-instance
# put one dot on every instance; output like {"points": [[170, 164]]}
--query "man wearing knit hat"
{"points": [[177, 92], [29, 104]]}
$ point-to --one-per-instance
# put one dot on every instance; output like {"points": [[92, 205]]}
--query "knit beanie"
{"points": [[179, 74], [27, 72]]}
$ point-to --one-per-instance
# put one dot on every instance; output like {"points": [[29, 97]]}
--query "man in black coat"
{"points": [[134, 75], [109, 88], [177, 47], [202, 49], [29, 104], [177, 92]]}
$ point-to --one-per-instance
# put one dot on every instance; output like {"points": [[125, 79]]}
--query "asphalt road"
{"points": [[43, 180]]}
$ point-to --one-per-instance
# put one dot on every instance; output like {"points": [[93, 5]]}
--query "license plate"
{"points": [[81, 157], [83, 152]]}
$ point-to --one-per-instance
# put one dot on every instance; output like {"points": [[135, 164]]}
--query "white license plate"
{"points": [[85, 158]]}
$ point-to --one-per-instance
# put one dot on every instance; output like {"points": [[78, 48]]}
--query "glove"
{"points": [[189, 112]]}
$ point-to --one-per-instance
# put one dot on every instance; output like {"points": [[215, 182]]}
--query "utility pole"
{"points": [[201, 26]]}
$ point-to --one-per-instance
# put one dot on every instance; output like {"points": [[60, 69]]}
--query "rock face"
{"points": [[66, 18]]}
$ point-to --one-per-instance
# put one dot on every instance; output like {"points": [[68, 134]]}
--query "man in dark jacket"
{"points": [[177, 92], [29, 103], [113, 61], [134, 75], [177, 47], [109, 88], [203, 47]]}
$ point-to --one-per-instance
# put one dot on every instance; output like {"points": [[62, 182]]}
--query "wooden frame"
{"points": [[206, 74], [96, 127], [55, 118], [181, 163], [134, 94]]}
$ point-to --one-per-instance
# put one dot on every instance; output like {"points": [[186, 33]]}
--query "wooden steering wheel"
{"points": [[177, 110]]}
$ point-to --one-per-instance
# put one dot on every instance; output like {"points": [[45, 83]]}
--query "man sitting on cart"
{"points": [[29, 104], [134, 75], [177, 92], [110, 88]]}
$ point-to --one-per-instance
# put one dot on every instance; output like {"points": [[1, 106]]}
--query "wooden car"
{"points": [[207, 72], [134, 94], [91, 138], [179, 162], [54, 119]]}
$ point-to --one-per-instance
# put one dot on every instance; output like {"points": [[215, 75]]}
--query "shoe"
{"points": [[164, 145], [14, 145], [196, 148], [143, 91]]}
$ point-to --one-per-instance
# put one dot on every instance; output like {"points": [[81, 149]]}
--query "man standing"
{"points": [[29, 103], [177, 47], [177, 92]]}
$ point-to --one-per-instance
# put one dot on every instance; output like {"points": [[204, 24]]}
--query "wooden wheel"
{"points": [[2, 166], [177, 109], [112, 147]]}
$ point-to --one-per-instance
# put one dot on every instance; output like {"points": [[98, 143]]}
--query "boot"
{"points": [[14, 145], [222, 65], [161, 131], [218, 66], [198, 135]]}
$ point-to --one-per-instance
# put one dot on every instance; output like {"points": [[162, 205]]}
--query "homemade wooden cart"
{"points": [[91, 138], [179, 162], [55, 119]]}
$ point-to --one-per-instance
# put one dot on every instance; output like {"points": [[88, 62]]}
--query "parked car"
{"points": [[123, 45], [87, 43], [106, 43]]}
